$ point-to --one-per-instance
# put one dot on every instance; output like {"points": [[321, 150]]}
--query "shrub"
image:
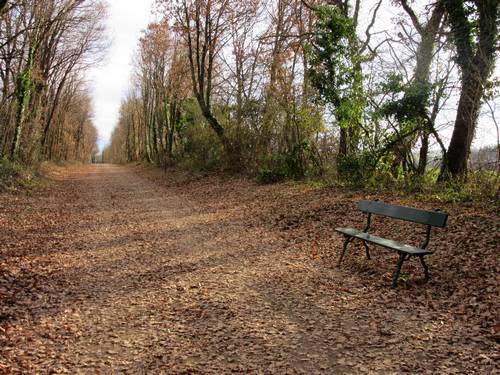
{"points": [[355, 170], [481, 186], [14, 175], [297, 164], [274, 169], [270, 176]]}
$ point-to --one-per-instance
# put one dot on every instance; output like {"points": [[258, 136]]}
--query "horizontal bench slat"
{"points": [[390, 244], [433, 218]]}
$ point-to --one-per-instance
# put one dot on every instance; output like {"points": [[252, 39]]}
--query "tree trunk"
{"points": [[421, 84], [3, 3], [424, 150], [24, 90], [342, 143], [463, 132], [50, 117], [476, 67], [212, 121]]}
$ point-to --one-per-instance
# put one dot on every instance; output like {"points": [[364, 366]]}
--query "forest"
{"points": [[46, 48], [292, 89], [279, 90]]}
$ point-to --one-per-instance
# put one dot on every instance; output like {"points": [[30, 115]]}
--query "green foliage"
{"points": [[296, 157], [309, 121], [335, 65], [492, 89], [410, 101], [14, 175], [201, 149], [297, 164], [24, 90], [481, 187], [282, 167], [330, 69], [404, 276], [355, 169], [296, 160], [465, 23], [270, 176]]}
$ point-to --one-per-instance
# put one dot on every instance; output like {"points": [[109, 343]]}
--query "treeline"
{"points": [[46, 46], [290, 88]]}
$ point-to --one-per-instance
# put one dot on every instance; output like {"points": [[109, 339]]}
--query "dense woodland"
{"points": [[278, 89], [291, 89], [46, 47]]}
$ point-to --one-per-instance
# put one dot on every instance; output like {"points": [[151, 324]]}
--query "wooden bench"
{"points": [[424, 217]]}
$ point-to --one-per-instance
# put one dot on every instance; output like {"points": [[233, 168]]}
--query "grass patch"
{"points": [[481, 187]]}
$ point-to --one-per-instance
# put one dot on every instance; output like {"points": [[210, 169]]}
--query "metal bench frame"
{"points": [[430, 219]]}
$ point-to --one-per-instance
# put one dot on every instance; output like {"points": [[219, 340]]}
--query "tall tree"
{"points": [[204, 25], [45, 45], [474, 25], [336, 57]]}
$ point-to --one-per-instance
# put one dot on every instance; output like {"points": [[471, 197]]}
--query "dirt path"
{"points": [[142, 281], [113, 273]]}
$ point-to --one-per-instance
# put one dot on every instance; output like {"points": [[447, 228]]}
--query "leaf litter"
{"points": [[128, 269]]}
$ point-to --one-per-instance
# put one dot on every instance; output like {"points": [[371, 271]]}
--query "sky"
{"points": [[110, 80]]}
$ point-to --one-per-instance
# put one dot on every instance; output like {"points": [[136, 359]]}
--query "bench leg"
{"points": [[426, 269], [367, 250], [346, 242], [395, 277]]}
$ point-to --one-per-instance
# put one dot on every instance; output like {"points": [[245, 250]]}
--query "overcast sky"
{"points": [[110, 80]]}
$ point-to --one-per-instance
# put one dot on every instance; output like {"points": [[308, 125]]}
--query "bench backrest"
{"points": [[432, 218]]}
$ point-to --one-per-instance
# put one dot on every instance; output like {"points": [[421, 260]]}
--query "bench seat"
{"points": [[390, 244], [430, 219]]}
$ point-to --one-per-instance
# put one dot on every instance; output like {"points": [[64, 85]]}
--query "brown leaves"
{"points": [[118, 273]]}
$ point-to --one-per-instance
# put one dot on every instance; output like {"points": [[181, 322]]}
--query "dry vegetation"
{"points": [[130, 269]]}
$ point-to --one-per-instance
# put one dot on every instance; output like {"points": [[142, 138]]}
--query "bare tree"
{"points": [[44, 44], [204, 26]]}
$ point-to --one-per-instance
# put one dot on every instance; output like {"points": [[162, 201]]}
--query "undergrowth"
{"points": [[481, 187], [15, 176]]}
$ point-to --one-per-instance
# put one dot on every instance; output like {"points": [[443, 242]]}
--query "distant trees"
{"points": [[295, 88], [46, 46]]}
